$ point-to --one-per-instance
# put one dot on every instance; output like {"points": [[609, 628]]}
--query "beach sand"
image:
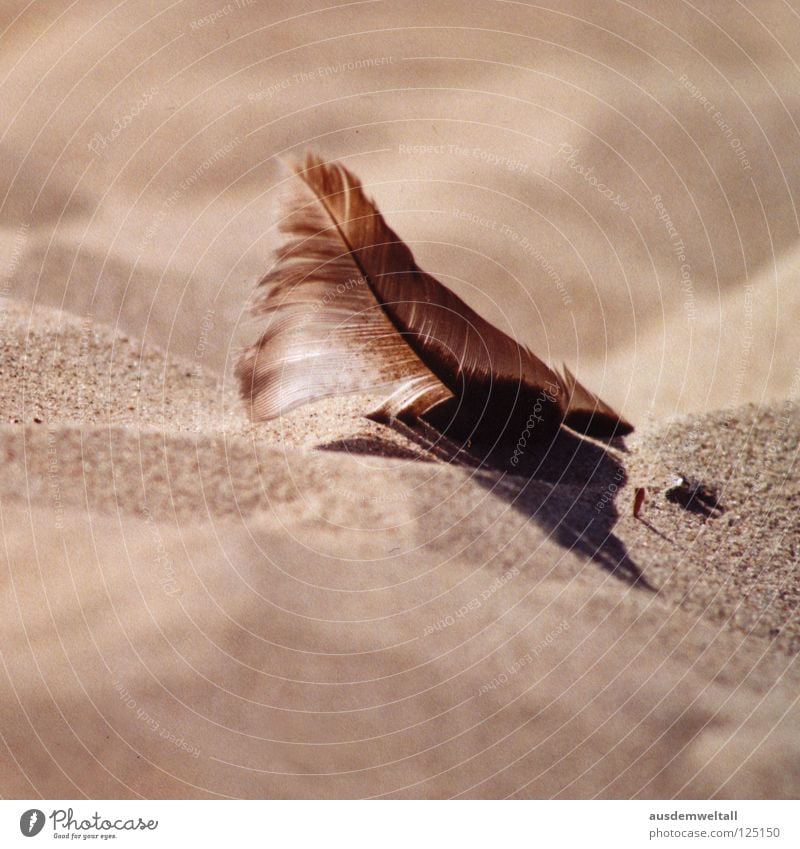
{"points": [[356, 622], [194, 605]]}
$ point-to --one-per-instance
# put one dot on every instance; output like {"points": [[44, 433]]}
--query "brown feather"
{"points": [[349, 310]]}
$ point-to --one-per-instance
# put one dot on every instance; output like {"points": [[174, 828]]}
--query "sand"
{"points": [[194, 605], [357, 622]]}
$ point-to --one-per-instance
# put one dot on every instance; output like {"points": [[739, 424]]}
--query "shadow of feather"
{"points": [[578, 519], [567, 485], [372, 446]]}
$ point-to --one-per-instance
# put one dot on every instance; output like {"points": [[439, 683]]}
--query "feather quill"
{"points": [[349, 310]]}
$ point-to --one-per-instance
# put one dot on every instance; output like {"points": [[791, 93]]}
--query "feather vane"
{"points": [[349, 310]]}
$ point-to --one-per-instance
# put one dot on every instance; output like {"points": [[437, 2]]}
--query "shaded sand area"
{"points": [[199, 607]]}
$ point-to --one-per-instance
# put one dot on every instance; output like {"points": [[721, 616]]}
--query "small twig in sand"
{"points": [[638, 500]]}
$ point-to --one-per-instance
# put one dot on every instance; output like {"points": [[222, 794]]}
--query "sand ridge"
{"points": [[296, 621]]}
